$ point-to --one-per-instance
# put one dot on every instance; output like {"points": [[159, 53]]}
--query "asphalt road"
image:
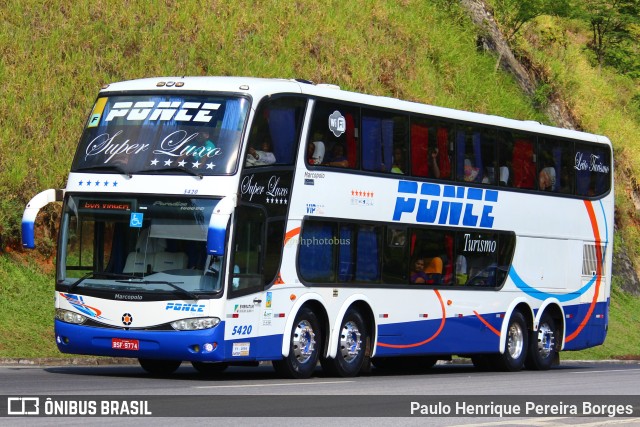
{"points": [[257, 393]]}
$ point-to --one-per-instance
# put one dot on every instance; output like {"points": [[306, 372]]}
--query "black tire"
{"points": [[516, 347], [405, 364], [304, 347], [160, 367], [543, 345], [210, 368], [353, 347]]}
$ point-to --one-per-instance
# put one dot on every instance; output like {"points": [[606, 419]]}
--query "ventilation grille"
{"points": [[590, 260]]}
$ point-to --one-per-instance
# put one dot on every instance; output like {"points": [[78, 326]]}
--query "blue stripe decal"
{"points": [[534, 293]]}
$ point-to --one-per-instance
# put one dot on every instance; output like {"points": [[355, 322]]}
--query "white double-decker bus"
{"points": [[228, 221]]}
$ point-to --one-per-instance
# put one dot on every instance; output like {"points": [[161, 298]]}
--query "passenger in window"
{"points": [[470, 172], [434, 169], [338, 158], [315, 153], [547, 177], [418, 275], [398, 161], [433, 270], [206, 143], [261, 157], [504, 176]]}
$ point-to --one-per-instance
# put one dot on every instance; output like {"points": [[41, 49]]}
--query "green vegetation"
{"points": [[57, 54]]}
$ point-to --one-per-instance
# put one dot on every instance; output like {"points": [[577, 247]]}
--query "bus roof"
{"points": [[260, 87]]}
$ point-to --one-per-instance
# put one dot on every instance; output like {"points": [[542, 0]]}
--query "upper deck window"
{"points": [[163, 134]]}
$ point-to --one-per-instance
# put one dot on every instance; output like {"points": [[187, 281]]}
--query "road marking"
{"points": [[278, 384]]}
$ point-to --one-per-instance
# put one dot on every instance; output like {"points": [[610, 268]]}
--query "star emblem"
{"points": [[154, 162], [210, 165], [195, 165], [168, 162], [181, 163]]}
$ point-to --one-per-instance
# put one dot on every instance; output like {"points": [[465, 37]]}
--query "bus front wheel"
{"points": [[160, 367], [304, 347], [352, 347]]}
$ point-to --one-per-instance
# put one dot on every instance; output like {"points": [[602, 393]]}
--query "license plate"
{"points": [[125, 344]]}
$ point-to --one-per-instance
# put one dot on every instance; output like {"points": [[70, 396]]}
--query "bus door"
{"points": [[248, 313]]}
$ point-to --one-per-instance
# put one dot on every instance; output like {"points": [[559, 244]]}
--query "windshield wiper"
{"points": [[95, 274], [105, 168], [163, 282]]}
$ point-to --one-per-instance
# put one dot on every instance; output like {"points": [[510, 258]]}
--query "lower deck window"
{"points": [[346, 252]]}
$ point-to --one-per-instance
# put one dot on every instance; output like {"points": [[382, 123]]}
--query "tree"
{"points": [[513, 14], [611, 22]]}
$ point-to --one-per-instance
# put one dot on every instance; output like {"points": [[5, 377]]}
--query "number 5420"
{"points": [[241, 330]]}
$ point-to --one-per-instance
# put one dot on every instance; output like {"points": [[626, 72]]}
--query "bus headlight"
{"points": [[195, 323], [70, 316]]}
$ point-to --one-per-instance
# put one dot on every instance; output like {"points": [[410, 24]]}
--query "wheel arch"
{"points": [[553, 307], [317, 304], [521, 305], [363, 305]]}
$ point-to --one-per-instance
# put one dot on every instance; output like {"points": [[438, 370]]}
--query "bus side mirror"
{"points": [[31, 211], [217, 231]]}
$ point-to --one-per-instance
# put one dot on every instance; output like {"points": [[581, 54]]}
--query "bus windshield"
{"points": [[172, 134], [143, 244]]}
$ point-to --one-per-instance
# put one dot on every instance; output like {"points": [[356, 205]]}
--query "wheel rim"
{"points": [[515, 343], [350, 341], [304, 342], [546, 340]]}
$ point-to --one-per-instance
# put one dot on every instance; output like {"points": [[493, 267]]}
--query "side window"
{"points": [[555, 166], [517, 160], [431, 146], [592, 166], [316, 252], [275, 132], [476, 155], [483, 259], [368, 260], [247, 256], [352, 252], [505, 158], [431, 257], [334, 135], [382, 133], [395, 266]]}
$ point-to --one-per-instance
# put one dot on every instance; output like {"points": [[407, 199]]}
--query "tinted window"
{"points": [[162, 134]]}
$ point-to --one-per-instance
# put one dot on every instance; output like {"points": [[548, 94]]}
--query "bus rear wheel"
{"points": [[160, 367], [544, 344], [352, 347], [304, 347]]}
